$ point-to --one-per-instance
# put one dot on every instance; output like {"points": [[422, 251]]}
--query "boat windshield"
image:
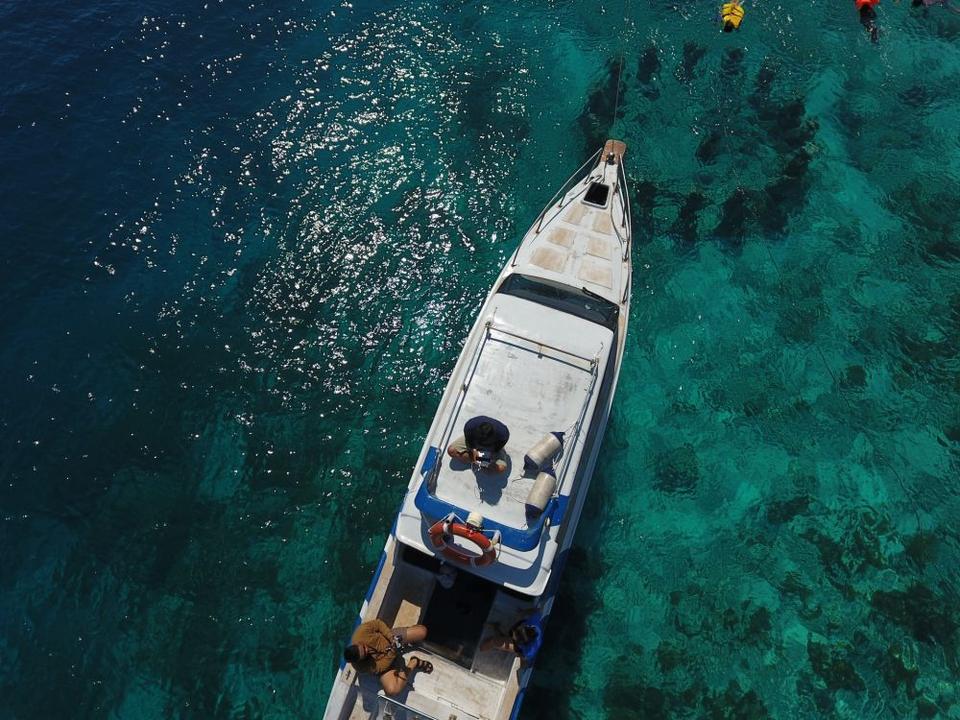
{"points": [[581, 303]]}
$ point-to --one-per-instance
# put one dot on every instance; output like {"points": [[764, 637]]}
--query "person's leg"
{"points": [[412, 634], [395, 679], [458, 450], [497, 642], [500, 461]]}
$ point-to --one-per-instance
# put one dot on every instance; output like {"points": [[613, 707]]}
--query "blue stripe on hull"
{"points": [[366, 599], [548, 595], [522, 540], [517, 703]]}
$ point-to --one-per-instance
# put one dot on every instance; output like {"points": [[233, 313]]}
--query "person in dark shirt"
{"points": [[482, 444], [524, 638]]}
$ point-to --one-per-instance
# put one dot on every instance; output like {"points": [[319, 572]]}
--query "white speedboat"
{"points": [[543, 358]]}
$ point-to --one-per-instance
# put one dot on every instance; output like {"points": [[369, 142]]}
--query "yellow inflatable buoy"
{"points": [[732, 15]]}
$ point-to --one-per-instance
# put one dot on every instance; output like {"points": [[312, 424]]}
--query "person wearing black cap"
{"points": [[482, 444]]}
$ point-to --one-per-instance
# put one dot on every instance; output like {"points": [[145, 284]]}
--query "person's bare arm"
{"points": [[468, 456]]}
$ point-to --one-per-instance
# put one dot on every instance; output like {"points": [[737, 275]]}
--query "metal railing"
{"points": [[592, 361], [575, 431], [626, 221], [458, 401], [566, 187], [390, 709], [622, 226], [561, 193]]}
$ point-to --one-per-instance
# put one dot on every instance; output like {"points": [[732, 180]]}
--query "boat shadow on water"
{"points": [[605, 103], [752, 181], [561, 658]]}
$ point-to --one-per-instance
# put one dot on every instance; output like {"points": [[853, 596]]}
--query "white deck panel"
{"points": [[447, 687], [470, 692], [532, 391]]}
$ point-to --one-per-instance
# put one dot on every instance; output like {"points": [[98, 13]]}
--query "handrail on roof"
{"points": [[462, 392], [475, 361], [434, 507], [407, 712], [593, 361]]}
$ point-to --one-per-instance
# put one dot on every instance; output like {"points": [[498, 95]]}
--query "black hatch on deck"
{"points": [[597, 194], [455, 617]]}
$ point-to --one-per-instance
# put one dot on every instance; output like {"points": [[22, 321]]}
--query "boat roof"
{"points": [[538, 370], [548, 391]]}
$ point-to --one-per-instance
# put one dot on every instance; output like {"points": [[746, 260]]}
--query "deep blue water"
{"points": [[242, 245]]}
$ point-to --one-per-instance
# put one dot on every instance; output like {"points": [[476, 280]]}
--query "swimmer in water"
{"points": [[868, 17]]}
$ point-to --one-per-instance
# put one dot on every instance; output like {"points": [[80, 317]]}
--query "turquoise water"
{"points": [[243, 248]]}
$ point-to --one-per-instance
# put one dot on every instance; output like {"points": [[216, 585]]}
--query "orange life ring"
{"points": [[441, 530]]}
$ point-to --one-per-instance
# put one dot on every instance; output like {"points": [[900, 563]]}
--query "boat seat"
{"points": [[575, 214], [408, 614], [596, 272], [561, 236], [598, 247], [602, 224], [549, 259]]}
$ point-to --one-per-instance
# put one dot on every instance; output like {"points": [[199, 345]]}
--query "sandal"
{"points": [[423, 666]]}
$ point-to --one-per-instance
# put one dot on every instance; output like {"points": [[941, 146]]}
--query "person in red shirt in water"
{"points": [[868, 17]]}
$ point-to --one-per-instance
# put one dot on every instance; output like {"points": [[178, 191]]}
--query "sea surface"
{"points": [[242, 244]]}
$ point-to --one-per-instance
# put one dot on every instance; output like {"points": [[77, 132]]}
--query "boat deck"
{"points": [[408, 595], [582, 243], [532, 389], [446, 687], [538, 370]]}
